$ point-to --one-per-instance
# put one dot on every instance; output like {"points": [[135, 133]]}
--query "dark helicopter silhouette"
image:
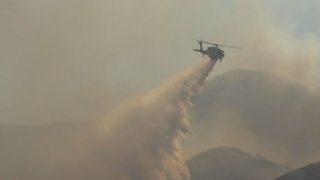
{"points": [[213, 52]]}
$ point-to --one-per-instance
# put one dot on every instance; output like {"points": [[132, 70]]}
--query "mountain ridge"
{"points": [[229, 163]]}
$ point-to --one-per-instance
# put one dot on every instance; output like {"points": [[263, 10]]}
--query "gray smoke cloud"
{"points": [[142, 137]]}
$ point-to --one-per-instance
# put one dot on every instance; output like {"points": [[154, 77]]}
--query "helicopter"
{"points": [[213, 52]]}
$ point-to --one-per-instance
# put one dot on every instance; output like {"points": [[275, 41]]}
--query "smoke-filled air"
{"points": [[124, 90]]}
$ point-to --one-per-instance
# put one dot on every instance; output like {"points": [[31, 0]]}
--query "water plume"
{"points": [[142, 137]]}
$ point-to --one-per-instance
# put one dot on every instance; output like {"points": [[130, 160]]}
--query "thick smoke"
{"points": [[142, 138]]}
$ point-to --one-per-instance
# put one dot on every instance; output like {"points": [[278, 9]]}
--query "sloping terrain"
{"points": [[232, 164], [309, 172]]}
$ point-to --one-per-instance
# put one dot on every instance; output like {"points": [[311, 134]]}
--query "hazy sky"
{"points": [[72, 60], [303, 15]]}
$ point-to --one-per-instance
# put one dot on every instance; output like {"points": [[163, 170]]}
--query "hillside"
{"points": [[228, 163], [309, 172]]}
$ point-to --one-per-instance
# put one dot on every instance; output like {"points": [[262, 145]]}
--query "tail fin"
{"points": [[198, 50]]}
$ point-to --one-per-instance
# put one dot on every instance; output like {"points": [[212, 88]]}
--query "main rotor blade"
{"points": [[216, 44], [220, 45], [228, 46]]}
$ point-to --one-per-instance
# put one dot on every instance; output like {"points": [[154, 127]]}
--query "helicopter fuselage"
{"points": [[214, 53]]}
